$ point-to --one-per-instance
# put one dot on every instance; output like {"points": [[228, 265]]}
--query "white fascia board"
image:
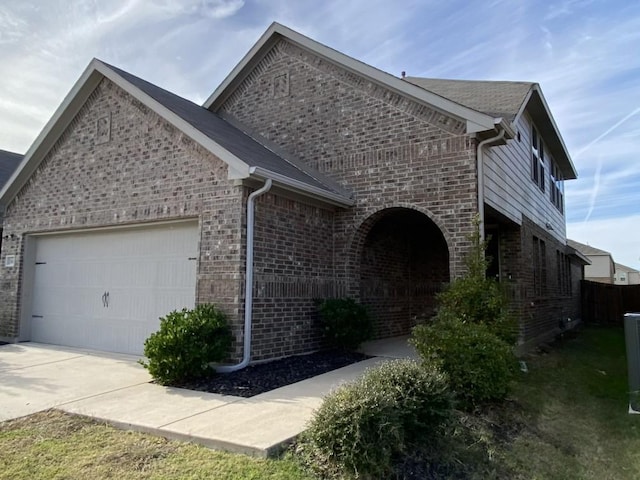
{"points": [[537, 88], [378, 76], [56, 125], [300, 187], [237, 167]]}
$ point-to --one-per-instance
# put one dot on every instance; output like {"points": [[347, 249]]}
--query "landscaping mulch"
{"points": [[256, 379]]}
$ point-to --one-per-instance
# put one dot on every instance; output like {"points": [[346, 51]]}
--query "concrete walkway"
{"points": [[115, 389]]}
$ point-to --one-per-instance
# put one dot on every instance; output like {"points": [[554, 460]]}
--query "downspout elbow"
{"points": [[248, 285]]}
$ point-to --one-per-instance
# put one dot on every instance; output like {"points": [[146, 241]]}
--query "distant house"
{"points": [[626, 275], [134, 201], [9, 162], [602, 268]]}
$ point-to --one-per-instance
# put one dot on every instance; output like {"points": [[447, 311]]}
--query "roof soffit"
{"points": [[536, 106]]}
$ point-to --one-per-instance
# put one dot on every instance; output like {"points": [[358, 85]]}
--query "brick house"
{"points": [[332, 177]]}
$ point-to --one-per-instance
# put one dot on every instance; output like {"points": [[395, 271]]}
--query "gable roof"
{"points": [[9, 161], [245, 155], [624, 268], [588, 249], [476, 121], [508, 100]]}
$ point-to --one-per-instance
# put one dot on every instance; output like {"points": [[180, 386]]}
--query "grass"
{"points": [[54, 445], [567, 419], [574, 407]]}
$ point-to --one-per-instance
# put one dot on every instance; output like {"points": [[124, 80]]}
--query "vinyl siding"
{"points": [[510, 189]]}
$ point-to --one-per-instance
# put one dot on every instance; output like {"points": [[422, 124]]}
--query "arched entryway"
{"points": [[404, 262]]}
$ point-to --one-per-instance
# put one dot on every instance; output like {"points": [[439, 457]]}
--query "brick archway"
{"points": [[403, 261]]}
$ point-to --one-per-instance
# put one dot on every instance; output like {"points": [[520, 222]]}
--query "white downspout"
{"points": [[248, 283], [480, 160]]}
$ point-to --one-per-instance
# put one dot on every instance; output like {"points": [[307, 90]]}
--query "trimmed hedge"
{"points": [[344, 322], [188, 340]]}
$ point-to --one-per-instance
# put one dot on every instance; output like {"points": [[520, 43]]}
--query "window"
{"points": [[563, 266], [537, 159], [539, 266], [557, 188]]}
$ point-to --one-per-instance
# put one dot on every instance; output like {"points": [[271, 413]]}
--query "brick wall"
{"points": [[389, 151], [404, 262], [118, 164], [545, 303], [293, 265]]}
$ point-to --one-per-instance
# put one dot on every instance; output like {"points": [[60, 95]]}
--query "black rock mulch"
{"points": [[264, 377]]}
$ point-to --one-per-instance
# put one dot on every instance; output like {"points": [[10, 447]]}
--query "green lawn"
{"points": [[574, 402], [567, 419]]}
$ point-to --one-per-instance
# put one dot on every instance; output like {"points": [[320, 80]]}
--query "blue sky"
{"points": [[583, 53]]}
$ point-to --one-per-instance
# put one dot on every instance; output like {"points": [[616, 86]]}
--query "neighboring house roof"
{"points": [[587, 249], [507, 100], [9, 161], [245, 156], [476, 121], [624, 268]]}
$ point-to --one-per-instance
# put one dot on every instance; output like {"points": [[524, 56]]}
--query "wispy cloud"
{"points": [[583, 53]]}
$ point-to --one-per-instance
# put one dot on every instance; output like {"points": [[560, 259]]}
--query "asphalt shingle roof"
{"points": [[586, 249], [239, 143], [9, 161], [495, 98]]}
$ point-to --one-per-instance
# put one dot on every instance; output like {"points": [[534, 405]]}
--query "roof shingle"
{"points": [[496, 98], [239, 143], [9, 161]]}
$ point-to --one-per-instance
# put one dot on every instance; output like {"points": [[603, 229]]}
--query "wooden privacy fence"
{"points": [[606, 304]]}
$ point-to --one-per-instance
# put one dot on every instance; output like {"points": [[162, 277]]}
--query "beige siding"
{"points": [[600, 270], [509, 187]]}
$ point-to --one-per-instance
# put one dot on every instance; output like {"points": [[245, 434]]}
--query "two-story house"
{"points": [[306, 174]]}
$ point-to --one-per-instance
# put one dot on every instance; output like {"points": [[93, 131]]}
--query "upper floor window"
{"points": [[557, 187], [537, 159]]}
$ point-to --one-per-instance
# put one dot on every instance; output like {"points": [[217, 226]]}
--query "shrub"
{"points": [[361, 427], [475, 298], [480, 365], [186, 343], [344, 322]]}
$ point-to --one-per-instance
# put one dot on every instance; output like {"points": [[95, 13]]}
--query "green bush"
{"points": [[344, 322], [362, 427], [186, 343], [480, 365], [475, 298]]}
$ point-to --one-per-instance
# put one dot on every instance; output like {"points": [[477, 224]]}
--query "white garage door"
{"points": [[106, 290]]}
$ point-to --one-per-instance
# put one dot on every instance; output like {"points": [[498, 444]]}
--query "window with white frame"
{"points": [[537, 159], [557, 187]]}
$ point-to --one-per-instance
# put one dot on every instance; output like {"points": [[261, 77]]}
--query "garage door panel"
{"points": [[146, 272]]}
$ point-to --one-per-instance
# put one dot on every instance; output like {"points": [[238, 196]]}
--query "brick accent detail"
{"points": [[148, 171]]}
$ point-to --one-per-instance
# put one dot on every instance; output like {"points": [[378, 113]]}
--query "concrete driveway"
{"points": [[35, 377], [115, 389]]}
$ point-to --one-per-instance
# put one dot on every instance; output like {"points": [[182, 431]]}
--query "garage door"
{"points": [[106, 290]]}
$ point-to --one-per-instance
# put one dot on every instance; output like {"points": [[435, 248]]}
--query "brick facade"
{"points": [[144, 171], [412, 171], [545, 287], [389, 151]]}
